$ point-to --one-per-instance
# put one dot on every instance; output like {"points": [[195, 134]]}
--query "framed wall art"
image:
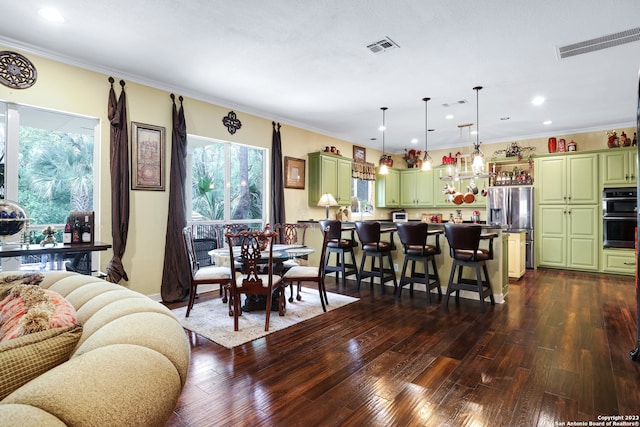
{"points": [[147, 157], [359, 154], [294, 173]]}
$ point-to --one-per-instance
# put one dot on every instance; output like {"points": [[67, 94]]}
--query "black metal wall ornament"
{"points": [[231, 122], [515, 150], [16, 71]]}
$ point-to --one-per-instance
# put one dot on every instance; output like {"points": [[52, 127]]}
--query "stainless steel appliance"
{"points": [[512, 208], [619, 217]]}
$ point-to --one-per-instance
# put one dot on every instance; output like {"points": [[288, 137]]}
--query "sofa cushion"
{"points": [[29, 356], [28, 309], [7, 282]]}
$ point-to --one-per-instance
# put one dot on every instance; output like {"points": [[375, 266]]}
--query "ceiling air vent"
{"points": [[382, 45], [603, 42]]}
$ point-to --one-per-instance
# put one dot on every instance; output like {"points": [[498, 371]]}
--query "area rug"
{"points": [[211, 318]]}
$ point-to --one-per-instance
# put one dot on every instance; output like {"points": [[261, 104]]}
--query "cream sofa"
{"points": [[128, 368]]}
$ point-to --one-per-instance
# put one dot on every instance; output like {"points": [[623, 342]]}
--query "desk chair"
{"points": [[291, 234], [210, 275], [255, 249], [464, 241], [301, 273], [374, 248], [413, 237], [340, 247]]}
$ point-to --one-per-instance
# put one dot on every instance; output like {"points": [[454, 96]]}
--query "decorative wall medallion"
{"points": [[231, 122], [16, 71]]}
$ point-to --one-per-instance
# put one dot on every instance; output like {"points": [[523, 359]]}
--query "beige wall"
{"points": [[70, 89]]}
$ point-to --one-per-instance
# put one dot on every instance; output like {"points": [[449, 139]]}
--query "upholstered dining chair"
{"points": [[291, 234], [464, 246], [301, 273], [254, 249], [209, 275], [419, 250]]}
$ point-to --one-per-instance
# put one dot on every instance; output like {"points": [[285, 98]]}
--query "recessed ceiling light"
{"points": [[414, 140], [547, 122], [51, 15], [449, 116], [538, 100], [381, 128]]}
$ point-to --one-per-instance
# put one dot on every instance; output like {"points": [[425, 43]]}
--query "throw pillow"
{"points": [[28, 357], [28, 309], [9, 281]]}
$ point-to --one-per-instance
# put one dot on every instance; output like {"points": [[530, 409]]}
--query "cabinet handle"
{"points": [[629, 263]]}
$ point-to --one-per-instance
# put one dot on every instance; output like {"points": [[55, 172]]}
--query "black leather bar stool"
{"points": [[464, 241], [413, 237], [374, 248], [340, 247]]}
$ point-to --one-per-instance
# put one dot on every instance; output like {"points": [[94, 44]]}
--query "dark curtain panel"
{"points": [[119, 167], [277, 189], [176, 275]]}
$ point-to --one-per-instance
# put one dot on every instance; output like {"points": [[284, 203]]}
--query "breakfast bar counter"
{"points": [[498, 267]]}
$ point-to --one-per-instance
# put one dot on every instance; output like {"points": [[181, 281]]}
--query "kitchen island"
{"points": [[498, 267]]}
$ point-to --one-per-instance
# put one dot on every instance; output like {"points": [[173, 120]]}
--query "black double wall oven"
{"points": [[619, 219]]}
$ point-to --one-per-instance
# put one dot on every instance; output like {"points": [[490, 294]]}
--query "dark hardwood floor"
{"points": [[557, 351]]}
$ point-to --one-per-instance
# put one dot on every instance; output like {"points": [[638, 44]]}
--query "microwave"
{"points": [[399, 217]]}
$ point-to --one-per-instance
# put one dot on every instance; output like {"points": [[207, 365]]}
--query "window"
{"points": [[362, 197], [227, 184], [47, 164]]}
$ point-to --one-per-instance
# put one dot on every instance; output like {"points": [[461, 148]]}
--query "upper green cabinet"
{"points": [[329, 173], [571, 178], [619, 167], [388, 190], [416, 188]]}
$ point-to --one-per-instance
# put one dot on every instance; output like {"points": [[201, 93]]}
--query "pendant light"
{"points": [[426, 160], [478, 157], [384, 169]]}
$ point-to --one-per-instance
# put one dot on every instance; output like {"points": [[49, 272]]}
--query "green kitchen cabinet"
{"points": [[568, 236], [416, 188], [388, 189], [619, 167], [619, 261], [567, 178], [329, 173]]}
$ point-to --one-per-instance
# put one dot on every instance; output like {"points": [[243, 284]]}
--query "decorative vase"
{"points": [[552, 145]]}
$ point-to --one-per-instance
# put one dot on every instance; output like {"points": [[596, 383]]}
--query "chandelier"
{"points": [[384, 169], [460, 170], [426, 160]]}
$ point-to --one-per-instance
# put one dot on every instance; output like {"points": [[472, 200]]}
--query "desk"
{"points": [[58, 251]]}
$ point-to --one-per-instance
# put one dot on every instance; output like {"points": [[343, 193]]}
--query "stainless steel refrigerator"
{"points": [[512, 208]]}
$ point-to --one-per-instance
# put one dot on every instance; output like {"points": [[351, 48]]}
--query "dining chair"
{"points": [[254, 249], [209, 275], [373, 247], [291, 234], [417, 250], [464, 246], [341, 247], [302, 273]]}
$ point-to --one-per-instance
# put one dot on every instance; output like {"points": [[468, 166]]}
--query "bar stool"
{"points": [[373, 247], [413, 237], [340, 247], [464, 242]]}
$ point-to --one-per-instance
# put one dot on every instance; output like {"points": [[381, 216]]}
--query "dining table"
{"points": [[280, 254]]}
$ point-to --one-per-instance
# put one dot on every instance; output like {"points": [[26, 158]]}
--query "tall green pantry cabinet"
{"points": [[329, 173], [567, 221]]}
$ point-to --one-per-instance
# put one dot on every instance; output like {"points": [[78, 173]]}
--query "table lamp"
{"points": [[327, 200]]}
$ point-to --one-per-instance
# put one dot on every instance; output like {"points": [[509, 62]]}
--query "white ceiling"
{"points": [[306, 63]]}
